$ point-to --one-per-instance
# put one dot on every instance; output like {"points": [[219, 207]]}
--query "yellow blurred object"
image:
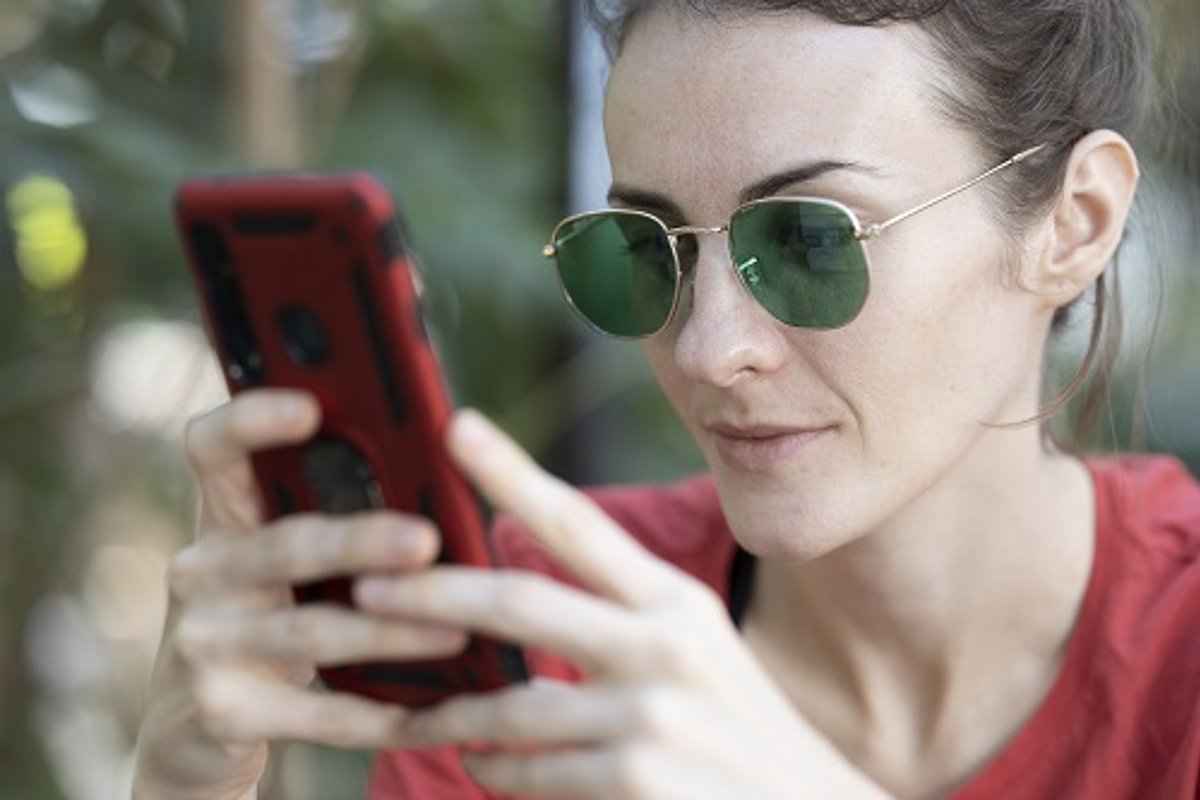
{"points": [[51, 244]]}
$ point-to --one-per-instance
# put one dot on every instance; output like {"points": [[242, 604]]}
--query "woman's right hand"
{"points": [[237, 654]]}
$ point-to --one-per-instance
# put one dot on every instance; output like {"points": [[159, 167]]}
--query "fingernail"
{"points": [[448, 638], [473, 429], [372, 592], [291, 409], [405, 540]]}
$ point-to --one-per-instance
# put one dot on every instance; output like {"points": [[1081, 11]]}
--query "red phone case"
{"points": [[305, 283]]}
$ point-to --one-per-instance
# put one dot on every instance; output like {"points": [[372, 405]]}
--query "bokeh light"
{"points": [[51, 243], [56, 96], [150, 376], [21, 22]]}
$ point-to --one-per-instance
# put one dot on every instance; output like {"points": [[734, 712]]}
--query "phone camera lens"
{"points": [[303, 336]]}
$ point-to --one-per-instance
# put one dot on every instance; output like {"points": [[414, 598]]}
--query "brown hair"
{"points": [[1024, 72]]}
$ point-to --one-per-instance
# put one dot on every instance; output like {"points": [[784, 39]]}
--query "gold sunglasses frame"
{"points": [[861, 233]]}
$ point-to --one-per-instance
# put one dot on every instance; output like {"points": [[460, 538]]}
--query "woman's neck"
{"points": [[930, 640]]}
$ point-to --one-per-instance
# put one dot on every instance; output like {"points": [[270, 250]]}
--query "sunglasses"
{"points": [[804, 259]]}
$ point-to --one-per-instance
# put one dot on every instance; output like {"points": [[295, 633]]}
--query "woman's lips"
{"points": [[758, 451]]}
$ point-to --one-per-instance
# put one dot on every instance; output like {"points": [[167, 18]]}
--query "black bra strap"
{"points": [[741, 580]]}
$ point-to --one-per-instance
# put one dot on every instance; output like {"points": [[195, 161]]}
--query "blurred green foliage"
{"points": [[459, 106]]}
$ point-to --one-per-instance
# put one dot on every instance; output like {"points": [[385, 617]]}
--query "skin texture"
{"points": [[943, 343], [897, 539], [676, 705], [921, 571]]}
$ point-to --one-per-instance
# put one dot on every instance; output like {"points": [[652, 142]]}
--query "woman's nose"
{"points": [[723, 334]]}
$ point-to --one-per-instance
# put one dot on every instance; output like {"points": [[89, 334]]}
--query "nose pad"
{"points": [[688, 250]]}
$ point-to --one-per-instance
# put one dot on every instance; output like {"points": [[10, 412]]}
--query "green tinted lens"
{"points": [[618, 270], [801, 261]]}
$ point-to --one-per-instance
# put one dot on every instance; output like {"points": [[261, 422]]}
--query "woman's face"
{"points": [[816, 438]]}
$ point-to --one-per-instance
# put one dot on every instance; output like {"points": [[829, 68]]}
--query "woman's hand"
{"points": [[674, 705], [237, 653]]}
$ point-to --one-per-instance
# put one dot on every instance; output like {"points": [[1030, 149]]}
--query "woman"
{"points": [[889, 584]]}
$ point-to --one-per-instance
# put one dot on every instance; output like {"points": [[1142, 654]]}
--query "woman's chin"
{"points": [[781, 531], [803, 510]]}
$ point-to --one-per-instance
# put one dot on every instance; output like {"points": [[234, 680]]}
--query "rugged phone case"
{"points": [[305, 282]]}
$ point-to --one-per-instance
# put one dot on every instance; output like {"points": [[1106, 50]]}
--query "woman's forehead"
{"points": [[690, 92]]}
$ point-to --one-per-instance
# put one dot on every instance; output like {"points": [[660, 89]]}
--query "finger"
{"points": [[242, 707], [582, 774], [630, 771], [250, 421], [572, 528], [218, 444], [540, 713], [521, 607], [322, 635], [302, 548], [604, 715], [545, 714]]}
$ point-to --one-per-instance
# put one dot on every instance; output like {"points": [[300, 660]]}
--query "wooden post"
{"points": [[264, 86]]}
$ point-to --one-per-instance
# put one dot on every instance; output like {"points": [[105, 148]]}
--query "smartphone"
{"points": [[306, 282]]}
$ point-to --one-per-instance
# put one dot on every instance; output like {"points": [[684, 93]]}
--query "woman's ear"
{"points": [[1089, 216]]}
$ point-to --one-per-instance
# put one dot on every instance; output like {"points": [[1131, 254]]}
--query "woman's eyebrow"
{"points": [[801, 173], [645, 200]]}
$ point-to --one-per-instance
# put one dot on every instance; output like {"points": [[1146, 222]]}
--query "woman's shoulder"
{"points": [[679, 522], [1121, 718], [1146, 578], [1151, 503], [672, 519]]}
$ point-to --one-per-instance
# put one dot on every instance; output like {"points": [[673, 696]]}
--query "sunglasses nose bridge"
{"points": [[696, 231]]}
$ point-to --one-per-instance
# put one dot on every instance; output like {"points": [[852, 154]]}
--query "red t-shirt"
{"points": [[1122, 719]]}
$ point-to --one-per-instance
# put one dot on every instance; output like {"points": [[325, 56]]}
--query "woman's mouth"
{"points": [[758, 449]]}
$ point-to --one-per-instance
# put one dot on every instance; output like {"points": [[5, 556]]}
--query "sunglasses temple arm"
{"points": [[872, 231]]}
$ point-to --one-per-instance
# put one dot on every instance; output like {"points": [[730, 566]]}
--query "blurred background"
{"points": [[480, 115]]}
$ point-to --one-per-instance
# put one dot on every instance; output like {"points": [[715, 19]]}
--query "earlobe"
{"points": [[1090, 216]]}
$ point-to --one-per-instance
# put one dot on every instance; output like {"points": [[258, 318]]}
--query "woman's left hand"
{"points": [[674, 704]]}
